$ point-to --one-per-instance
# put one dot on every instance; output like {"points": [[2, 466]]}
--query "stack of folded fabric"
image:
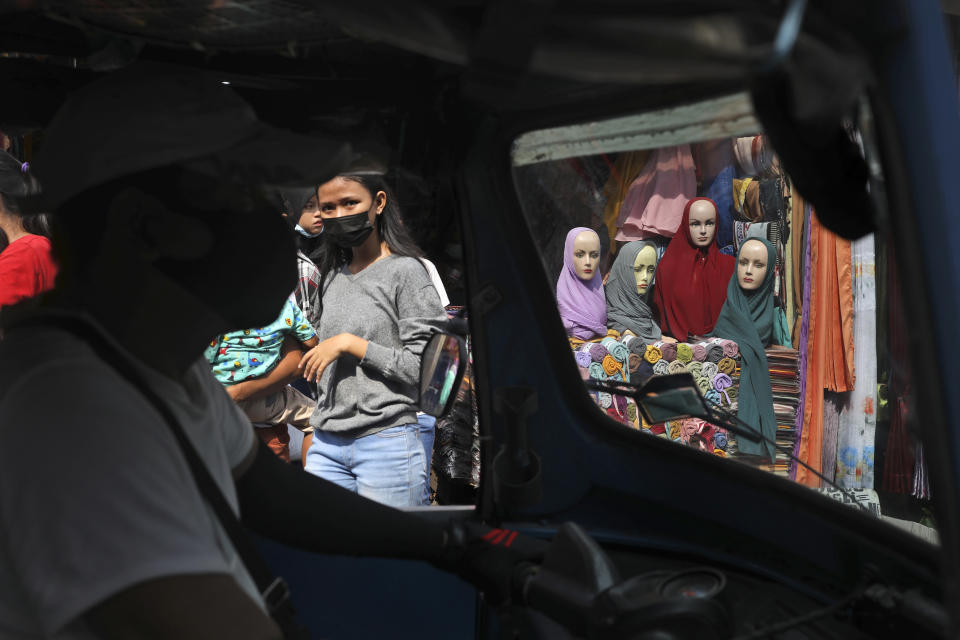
{"points": [[785, 384], [714, 364], [608, 359]]}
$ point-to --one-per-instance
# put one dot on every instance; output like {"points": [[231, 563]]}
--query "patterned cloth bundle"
{"points": [[714, 365]]}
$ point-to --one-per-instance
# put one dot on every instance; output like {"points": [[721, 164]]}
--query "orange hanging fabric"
{"points": [[830, 344]]}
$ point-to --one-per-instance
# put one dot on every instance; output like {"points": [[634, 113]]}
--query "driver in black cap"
{"points": [[126, 526]]}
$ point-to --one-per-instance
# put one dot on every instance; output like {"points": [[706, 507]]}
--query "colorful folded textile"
{"points": [[610, 365], [643, 373], [605, 400], [695, 368], [636, 346], [684, 353], [583, 358], [597, 351], [620, 402], [652, 354], [704, 384], [709, 370], [597, 372], [727, 365], [720, 440], [619, 352], [699, 352], [626, 340], [714, 351], [634, 362], [713, 397], [661, 368], [676, 367], [722, 383], [669, 350], [730, 348], [632, 412]]}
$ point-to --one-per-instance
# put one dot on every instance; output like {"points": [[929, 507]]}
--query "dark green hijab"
{"points": [[747, 319]]}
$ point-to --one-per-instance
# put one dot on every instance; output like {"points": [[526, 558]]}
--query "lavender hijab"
{"points": [[583, 308]]}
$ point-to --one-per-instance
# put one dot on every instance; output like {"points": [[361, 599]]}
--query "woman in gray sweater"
{"points": [[379, 310]]}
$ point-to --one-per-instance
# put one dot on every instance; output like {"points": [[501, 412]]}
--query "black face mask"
{"points": [[349, 231]]}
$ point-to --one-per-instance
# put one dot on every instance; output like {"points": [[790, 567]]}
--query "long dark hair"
{"points": [[17, 183], [389, 227]]}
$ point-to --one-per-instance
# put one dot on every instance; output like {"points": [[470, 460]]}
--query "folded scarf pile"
{"points": [[636, 346], [632, 412], [722, 383], [597, 351], [712, 397], [597, 372], [652, 354], [605, 400], [619, 352], [714, 351], [695, 368], [661, 368], [699, 352], [727, 365], [730, 348], [720, 440], [676, 367], [583, 358], [668, 350], [709, 370], [684, 353], [611, 366], [643, 373], [634, 363], [704, 384]]}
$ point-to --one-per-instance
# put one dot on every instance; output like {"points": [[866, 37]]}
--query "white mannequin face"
{"points": [[703, 223], [644, 267], [752, 265], [586, 254]]}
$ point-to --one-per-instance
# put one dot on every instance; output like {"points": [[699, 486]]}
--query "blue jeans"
{"points": [[390, 466], [427, 436]]}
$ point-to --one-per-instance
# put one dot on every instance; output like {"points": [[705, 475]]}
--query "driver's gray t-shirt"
{"points": [[395, 307]]}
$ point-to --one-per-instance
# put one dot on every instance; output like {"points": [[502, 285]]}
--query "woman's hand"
{"points": [[316, 360]]}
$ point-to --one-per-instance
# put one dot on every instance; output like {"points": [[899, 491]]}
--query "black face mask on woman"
{"points": [[349, 231]]}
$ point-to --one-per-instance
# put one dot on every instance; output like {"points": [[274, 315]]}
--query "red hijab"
{"points": [[691, 284]]}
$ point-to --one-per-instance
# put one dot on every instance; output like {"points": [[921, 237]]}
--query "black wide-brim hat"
{"points": [[151, 115]]}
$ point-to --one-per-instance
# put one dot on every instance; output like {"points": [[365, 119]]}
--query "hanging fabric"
{"points": [[858, 422], [623, 172], [716, 168], [899, 456], [655, 201], [830, 341]]}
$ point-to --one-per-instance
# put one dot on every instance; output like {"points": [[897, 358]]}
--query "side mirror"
{"points": [[442, 365], [671, 397]]}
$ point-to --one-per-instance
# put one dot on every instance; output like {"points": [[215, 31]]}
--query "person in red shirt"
{"points": [[27, 267]]}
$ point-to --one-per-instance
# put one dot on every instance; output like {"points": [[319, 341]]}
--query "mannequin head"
{"points": [[586, 254], [703, 223], [644, 267], [752, 265]]}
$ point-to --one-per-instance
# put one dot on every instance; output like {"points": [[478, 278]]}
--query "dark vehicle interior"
{"points": [[439, 91]]}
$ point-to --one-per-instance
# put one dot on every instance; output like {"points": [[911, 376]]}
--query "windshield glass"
{"points": [[679, 245]]}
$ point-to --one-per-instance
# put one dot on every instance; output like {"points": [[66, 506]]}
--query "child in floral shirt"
{"points": [[242, 359]]}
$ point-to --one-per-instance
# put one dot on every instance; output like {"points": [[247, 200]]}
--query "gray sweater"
{"points": [[395, 307]]}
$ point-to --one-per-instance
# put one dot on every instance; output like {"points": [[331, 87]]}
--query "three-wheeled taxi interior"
{"points": [[492, 116]]}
